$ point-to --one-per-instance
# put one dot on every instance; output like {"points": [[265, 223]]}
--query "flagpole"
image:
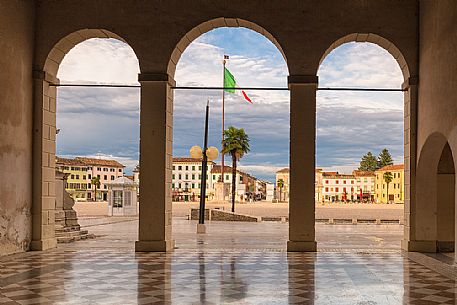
{"points": [[223, 127]]}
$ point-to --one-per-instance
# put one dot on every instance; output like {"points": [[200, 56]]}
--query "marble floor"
{"points": [[105, 274]]}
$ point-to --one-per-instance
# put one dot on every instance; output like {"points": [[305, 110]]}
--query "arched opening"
{"points": [[87, 119], [353, 129], [255, 60], [445, 199]]}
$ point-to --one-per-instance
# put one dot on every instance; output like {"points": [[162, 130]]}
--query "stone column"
{"points": [[410, 151], [156, 140], [44, 150], [302, 163]]}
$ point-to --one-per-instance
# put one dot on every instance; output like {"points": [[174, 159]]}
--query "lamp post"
{"points": [[207, 153]]}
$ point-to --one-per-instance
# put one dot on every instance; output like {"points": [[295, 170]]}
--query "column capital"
{"points": [[45, 76], [303, 79], [411, 81], [156, 77]]}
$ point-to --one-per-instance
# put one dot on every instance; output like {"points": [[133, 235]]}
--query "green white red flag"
{"points": [[230, 82]]}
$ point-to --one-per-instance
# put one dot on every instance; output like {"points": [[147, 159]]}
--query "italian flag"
{"points": [[230, 82]]}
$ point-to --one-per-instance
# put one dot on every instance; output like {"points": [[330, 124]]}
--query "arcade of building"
{"points": [[36, 35]]}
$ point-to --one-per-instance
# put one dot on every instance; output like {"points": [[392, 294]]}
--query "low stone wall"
{"points": [[218, 215]]}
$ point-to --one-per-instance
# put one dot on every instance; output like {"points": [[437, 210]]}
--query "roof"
{"points": [[284, 170], [186, 160], [394, 167], [121, 181], [67, 161], [326, 174], [358, 173], [101, 162], [89, 161], [227, 169]]}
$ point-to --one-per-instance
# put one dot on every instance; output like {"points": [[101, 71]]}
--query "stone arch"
{"points": [[64, 45], [433, 159], [44, 136], [207, 26], [376, 39]]}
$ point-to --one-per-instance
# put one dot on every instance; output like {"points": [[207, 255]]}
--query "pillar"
{"points": [[409, 242], [44, 154], [302, 163], [156, 140]]}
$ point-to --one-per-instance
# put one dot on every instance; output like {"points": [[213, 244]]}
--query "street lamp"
{"points": [[207, 153]]}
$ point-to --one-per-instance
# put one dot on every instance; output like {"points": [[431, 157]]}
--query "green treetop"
{"points": [[385, 158], [368, 163]]}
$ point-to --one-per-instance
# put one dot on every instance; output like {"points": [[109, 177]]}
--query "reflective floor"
{"points": [[98, 272]]}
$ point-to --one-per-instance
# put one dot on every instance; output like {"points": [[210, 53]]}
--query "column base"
{"points": [[45, 244], [154, 245], [201, 228], [301, 246], [425, 246]]}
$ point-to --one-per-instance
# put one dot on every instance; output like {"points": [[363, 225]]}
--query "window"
{"points": [[336, 189], [98, 176], [326, 181], [173, 167], [200, 168], [99, 168], [337, 181], [352, 181], [173, 176], [395, 175], [187, 176], [193, 185], [128, 198], [89, 186], [120, 170], [344, 181], [227, 177], [179, 167], [105, 177], [89, 176], [105, 169], [241, 178], [193, 176], [326, 189], [193, 167], [72, 176], [117, 199], [84, 177], [187, 168], [179, 176], [77, 176], [179, 185], [104, 187], [112, 177], [214, 177]]}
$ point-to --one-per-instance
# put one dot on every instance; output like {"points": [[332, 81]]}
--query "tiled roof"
{"points": [[358, 173], [326, 174], [186, 160], [88, 161], [67, 161], [284, 170], [393, 167], [100, 162]]}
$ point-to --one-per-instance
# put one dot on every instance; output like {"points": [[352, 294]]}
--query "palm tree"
{"points": [[96, 183], [235, 144], [388, 177], [280, 185]]}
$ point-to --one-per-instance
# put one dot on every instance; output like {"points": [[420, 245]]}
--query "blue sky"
{"points": [[105, 121]]}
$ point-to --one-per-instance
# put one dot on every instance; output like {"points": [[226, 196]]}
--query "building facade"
{"points": [[365, 183], [338, 187], [395, 191], [81, 170], [186, 179]]}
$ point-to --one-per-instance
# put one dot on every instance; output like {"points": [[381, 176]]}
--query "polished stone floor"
{"points": [[99, 272]]}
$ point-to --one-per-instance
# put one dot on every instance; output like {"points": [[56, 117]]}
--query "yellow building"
{"points": [[77, 183], [396, 191]]}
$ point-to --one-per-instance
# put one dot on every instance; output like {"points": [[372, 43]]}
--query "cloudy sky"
{"points": [[105, 121]]}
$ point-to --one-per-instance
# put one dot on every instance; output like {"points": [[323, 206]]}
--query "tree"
{"points": [[368, 163], [280, 185], [388, 177], [235, 144], [384, 158], [96, 183]]}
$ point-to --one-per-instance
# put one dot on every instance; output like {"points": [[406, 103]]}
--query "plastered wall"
{"points": [[16, 54]]}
